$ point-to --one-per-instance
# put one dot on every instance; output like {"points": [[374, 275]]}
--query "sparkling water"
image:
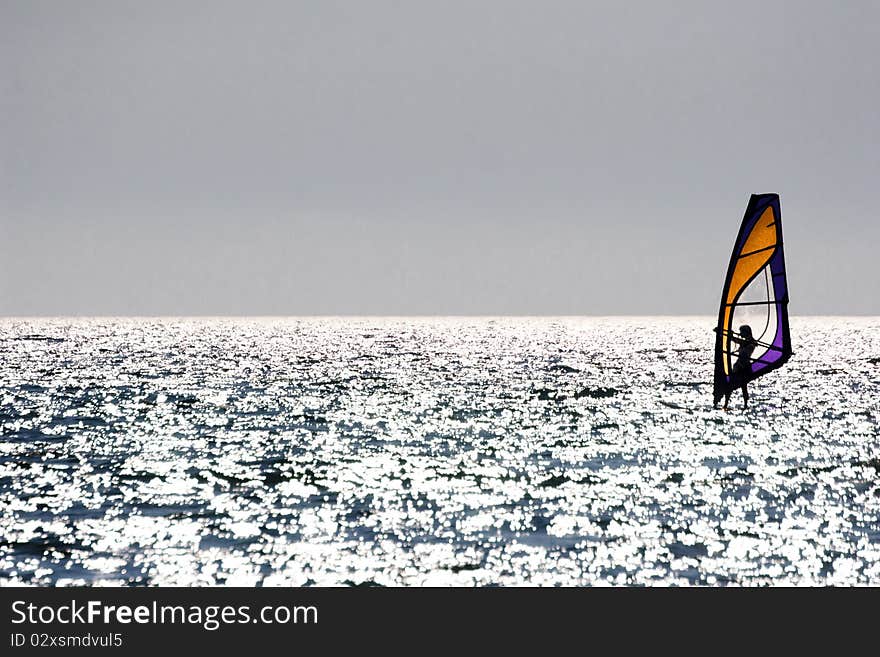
{"points": [[432, 451]]}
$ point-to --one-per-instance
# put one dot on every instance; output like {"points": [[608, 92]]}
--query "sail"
{"points": [[755, 293]]}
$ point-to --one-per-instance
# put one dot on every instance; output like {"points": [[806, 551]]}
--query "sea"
{"points": [[432, 451]]}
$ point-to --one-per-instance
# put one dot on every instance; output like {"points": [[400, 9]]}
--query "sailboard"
{"points": [[755, 293]]}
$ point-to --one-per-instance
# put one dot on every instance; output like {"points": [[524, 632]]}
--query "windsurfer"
{"points": [[742, 366]]}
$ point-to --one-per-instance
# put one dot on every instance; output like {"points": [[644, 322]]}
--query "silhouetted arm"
{"points": [[734, 337]]}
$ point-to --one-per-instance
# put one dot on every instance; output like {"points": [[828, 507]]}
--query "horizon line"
{"points": [[403, 316]]}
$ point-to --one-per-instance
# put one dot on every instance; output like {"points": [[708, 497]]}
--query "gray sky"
{"points": [[376, 157]]}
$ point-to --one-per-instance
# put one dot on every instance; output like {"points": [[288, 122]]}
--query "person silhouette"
{"points": [[743, 365]]}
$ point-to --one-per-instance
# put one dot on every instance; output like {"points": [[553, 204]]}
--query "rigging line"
{"points": [[766, 346], [751, 303], [766, 248], [756, 360], [758, 342]]}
